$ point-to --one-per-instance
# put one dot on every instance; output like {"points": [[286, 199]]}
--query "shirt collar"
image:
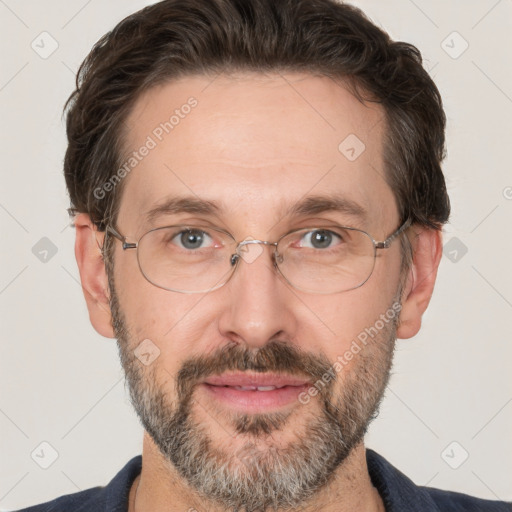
{"points": [[118, 489], [397, 491]]}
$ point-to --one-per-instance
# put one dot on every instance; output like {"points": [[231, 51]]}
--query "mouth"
{"points": [[255, 392]]}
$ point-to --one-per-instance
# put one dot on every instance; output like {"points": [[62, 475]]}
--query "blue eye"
{"points": [[192, 239], [320, 239]]}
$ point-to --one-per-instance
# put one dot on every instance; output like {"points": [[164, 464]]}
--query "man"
{"points": [[258, 201]]}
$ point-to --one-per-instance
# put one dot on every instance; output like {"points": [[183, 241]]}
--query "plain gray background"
{"points": [[450, 396]]}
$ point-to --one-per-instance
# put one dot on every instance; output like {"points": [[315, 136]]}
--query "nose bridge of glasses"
{"points": [[249, 249]]}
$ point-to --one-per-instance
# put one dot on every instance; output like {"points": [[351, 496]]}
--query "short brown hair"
{"points": [[175, 38]]}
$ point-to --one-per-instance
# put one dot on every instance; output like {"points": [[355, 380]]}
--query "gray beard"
{"points": [[260, 477]]}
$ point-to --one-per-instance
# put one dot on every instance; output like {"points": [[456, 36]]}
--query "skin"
{"points": [[257, 145]]}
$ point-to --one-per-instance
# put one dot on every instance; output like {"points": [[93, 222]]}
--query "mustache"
{"points": [[276, 356]]}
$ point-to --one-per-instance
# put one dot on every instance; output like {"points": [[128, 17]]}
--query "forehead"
{"points": [[255, 145]]}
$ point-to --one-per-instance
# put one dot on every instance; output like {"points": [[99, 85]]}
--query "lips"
{"points": [[255, 382], [254, 393]]}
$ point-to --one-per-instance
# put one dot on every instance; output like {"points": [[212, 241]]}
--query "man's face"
{"points": [[257, 147]]}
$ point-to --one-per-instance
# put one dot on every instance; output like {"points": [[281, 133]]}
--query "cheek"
{"points": [[331, 323], [177, 323]]}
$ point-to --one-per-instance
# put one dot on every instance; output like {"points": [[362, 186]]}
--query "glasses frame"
{"points": [[236, 256]]}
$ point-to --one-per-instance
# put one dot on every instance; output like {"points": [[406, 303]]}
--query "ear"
{"points": [[92, 274], [427, 252]]}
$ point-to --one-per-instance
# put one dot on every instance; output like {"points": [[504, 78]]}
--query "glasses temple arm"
{"points": [[386, 243], [121, 238]]}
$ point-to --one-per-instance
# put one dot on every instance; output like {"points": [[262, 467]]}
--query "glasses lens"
{"points": [[326, 260], [198, 259], [186, 258]]}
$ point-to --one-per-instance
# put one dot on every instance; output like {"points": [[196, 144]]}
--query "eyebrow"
{"points": [[314, 205], [175, 205], [311, 205]]}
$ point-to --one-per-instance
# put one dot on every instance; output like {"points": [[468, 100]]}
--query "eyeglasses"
{"points": [[198, 259]]}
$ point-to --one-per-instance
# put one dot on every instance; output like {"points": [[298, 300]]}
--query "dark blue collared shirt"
{"points": [[398, 492]]}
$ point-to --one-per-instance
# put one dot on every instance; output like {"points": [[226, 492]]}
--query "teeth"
{"points": [[254, 388]]}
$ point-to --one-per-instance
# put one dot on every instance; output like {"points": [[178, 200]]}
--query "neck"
{"points": [[159, 488]]}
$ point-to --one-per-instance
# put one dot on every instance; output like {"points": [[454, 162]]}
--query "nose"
{"points": [[257, 306]]}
